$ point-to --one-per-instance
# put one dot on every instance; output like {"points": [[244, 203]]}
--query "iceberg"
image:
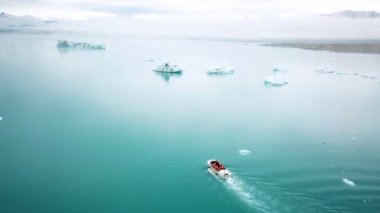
{"points": [[348, 182], [244, 151], [325, 70], [1, 118], [79, 45], [220, 71], [167, 68], [346, 73], [275, 78]]}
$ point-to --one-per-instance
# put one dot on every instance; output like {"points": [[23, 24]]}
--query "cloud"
{"points": [[211, 18], [87, 9]]}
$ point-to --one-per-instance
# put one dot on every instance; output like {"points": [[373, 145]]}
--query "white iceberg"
{"points": [[275, 78], [1, 118], [220, 70], [167, 68], [348, 182], [79, 45], [244, 151], [325, 70]]}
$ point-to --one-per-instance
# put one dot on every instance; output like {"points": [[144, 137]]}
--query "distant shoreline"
{"points": [[364, 47], [367, 46]]}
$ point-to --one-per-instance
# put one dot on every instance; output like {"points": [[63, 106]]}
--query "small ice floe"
{"points": [[220, 71], [167, 68], [325, 70], [149, 59], [348, 182], [79, 45], [276, 78], [1, 118], [244, 151], [279, 70], [346, 73], [368, 77]]}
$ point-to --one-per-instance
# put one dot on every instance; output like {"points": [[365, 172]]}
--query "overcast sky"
{"points": [[156, 9], [199, 18]]}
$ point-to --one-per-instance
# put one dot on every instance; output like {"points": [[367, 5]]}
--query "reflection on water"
{"points": [[166, 76], [65, 51], [270, 85], [218, 75]]}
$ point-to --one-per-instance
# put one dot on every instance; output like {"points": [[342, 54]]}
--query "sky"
{"points": [[247, 19], [156, 9]]}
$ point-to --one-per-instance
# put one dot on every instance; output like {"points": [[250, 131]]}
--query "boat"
{"points": [[220, 70], [167, 68], [217, 169]]}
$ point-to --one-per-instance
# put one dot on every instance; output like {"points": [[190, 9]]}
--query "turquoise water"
{"points": [[99, 131]]}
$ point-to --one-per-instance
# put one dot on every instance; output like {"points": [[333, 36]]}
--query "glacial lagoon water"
{"points": [[99, 131]]}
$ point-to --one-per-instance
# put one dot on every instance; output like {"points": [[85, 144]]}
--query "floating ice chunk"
{"points": [[244, 151], [167, 68], [325, 70], [1, 118], [348, 182], [345, 73], [220, 70], [369, 77], [277, 70], [275, 78], [79, 45], [272, 80]]}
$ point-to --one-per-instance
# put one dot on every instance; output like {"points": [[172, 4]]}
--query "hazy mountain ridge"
{"points": [[10, 21], [355, 14], [249, 28]]}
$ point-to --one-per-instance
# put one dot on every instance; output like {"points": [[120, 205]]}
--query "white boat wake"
{"points": [[246, 194], [260, 201]]}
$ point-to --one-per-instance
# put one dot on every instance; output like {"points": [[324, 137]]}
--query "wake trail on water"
{"points": [[248, 194], [258, 200]]}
